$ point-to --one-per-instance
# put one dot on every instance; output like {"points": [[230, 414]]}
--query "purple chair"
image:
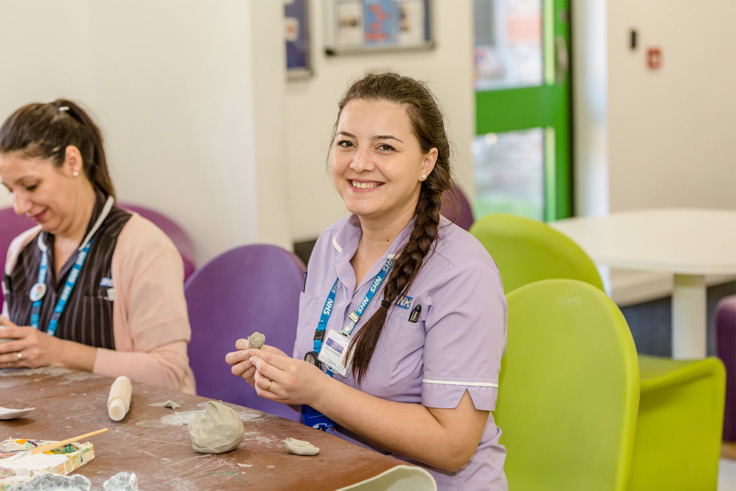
{"points": [[11, 225], [249, 288], [725, 325], [176, 233], [456, 208]]}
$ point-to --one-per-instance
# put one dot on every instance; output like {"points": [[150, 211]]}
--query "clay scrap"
{"points": [[256, 340], [299, 447], [172, 404], [217, 430]]}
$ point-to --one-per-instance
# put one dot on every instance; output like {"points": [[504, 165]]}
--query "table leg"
{"points": [[689, 316]]}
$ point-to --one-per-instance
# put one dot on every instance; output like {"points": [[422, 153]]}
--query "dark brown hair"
{"points": [[41, 130], [429, 128]]}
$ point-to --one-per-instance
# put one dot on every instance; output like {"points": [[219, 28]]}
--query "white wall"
{"points": [[672, 131], [653, 138], [199, 119], [201, 124], [311, 108], [189, 95]]}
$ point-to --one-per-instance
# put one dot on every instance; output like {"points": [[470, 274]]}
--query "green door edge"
{"points": [[545, 106]]}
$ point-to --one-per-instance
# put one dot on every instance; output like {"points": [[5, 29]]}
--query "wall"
{"points": [[173, 84], [199, 119], [311, 108], [653, 138], [671, 130], [201, 124]]}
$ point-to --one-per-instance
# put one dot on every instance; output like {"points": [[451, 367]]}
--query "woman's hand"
{"points": [[274, 374], [28, 347], [285, 379], [240, 360]]}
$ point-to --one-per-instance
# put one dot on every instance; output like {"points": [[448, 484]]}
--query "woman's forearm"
{"points": [[442, 438], [76, 356]]}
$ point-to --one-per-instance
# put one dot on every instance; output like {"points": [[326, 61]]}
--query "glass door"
{"points": [[522, 146]]}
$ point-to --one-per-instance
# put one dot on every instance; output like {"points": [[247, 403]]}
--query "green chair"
{"points": [[569, 389], [677, 445]]}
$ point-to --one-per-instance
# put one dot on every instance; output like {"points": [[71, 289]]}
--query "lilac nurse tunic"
{"points": [[455, 344]]}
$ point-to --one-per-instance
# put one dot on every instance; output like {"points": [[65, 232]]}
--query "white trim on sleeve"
{"points": [[450, 382]]}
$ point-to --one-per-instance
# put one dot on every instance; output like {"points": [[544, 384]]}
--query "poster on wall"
{"points": [[296, 33], [364, 26]]}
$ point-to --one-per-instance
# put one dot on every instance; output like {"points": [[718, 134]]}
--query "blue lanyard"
{"points": [[313, 418], [71, 280], [355, 315]]}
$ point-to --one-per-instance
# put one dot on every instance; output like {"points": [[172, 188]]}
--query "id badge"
{"points": [[334, 352]]}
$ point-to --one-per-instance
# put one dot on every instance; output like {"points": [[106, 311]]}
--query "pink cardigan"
{"points": [[150, 319]]}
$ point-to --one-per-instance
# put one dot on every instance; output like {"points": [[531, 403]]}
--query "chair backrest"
{"points": [[11, 225], [456, 207], [250, 288], [176, 233], [527, 250], [569, 389]]}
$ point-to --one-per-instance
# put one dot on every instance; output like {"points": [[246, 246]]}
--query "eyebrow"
{"points": [[377, 137], [21, 180]]}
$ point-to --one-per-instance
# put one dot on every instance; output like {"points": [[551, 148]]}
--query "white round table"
{"points": [[689, 243]]}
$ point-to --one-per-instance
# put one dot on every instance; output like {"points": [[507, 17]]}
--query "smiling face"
{"points": [[42, 191], [377, 162]]}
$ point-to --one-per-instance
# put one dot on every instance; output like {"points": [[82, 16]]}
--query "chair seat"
{"points": [[657, 372], [678, 434]]}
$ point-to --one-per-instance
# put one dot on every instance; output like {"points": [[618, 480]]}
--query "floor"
{"points": [[727, 468]]}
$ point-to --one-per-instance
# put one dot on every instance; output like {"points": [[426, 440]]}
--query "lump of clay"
{"points": [[217, 430], [300, 447], [172, 404], [53, 482], [256, 340], [122, 481]]}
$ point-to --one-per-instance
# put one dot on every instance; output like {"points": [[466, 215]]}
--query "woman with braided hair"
{"points": [[402, 323]]}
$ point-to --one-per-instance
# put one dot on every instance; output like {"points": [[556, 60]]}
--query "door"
{"points": [[522, 158]]}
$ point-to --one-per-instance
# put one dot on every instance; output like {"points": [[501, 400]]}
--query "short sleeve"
{"points": [[465, 337]]}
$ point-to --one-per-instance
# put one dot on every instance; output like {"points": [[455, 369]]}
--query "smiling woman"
{"points": [[378, 164], [78, 286], [413, 372]]}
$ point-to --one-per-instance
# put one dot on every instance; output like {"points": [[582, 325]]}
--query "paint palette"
{"points": [[16, 462], [8, 413]]}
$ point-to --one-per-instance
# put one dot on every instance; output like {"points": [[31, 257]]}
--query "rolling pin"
{"points": [[118, 402]]}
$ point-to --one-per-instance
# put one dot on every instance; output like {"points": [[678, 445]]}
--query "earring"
{"points": [[424, 176]]}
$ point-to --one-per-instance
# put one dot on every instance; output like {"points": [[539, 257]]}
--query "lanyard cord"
{"points": [[354, 316], [71, 280]]}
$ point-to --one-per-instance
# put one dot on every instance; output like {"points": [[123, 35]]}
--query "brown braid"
{"points": [[429, 128]]}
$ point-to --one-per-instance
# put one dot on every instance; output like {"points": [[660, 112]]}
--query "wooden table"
{"points": [[689, 243], [152, 442]]}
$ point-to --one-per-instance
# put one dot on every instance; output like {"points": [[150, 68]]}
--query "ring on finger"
{"points": [[20, 356], [268, 387]]}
